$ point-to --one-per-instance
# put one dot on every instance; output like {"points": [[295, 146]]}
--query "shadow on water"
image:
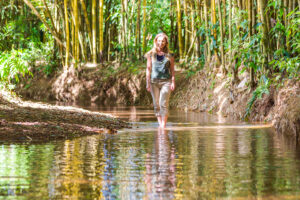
{"points": [[196, 157]]}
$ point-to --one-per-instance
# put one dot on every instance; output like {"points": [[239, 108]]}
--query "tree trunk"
{"points": [[224, 17], [214, 21], [67, 33], [179, 30], [50, 16], [208, 52], [261, 4], [101, 22], [222, 37], [145, 26], [72, 30], [76, 44], [254, 14], [94, 31], [88, 24], [198, 24], [108, 23], [193, 33], [233, 67], [288, 38], [186, 27], [172, 23], [250, 4], [138, 31], [124, 27], [285, 6]]}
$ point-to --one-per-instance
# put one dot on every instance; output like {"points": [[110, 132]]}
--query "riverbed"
{"points": [[198, 156]]}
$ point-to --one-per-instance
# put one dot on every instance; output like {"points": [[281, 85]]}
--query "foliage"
{"points": [[17, 62], [288, 62], [43, 53], [22, 42], [12, 64], [192, 67], [21, 29], [289, 65], [263, 88]]}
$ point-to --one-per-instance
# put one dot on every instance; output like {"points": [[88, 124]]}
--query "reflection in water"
{"points": [[160, 168], [186, 161]]}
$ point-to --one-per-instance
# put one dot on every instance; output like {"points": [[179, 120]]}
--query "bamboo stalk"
{"points": [[101, 22], [67, 32], [214, 21], [193, 33], [145, 26], [199, 17], [94, 51], [261, 4], [186, 27], [138, 31], [208, 52], [179, 30], [88, 24], [50, 16], [250, 4], [124, 27], [222, 37], [76, 23]]}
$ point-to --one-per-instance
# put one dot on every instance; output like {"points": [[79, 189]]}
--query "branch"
{"points": [[51, 19], [28, 3]]}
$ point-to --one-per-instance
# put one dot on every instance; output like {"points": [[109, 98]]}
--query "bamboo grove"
{"points": [[261, 35]]}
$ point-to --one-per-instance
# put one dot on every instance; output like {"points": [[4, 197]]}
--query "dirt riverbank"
{"points": [[25, 121], [216, 94], [208, 91]]}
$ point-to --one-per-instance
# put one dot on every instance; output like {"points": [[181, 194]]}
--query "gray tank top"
{"points": [[160, 68]]}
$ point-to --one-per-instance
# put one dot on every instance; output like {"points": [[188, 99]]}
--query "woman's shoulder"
{"points": [[152, 53], [170, 55], [149, 54]]}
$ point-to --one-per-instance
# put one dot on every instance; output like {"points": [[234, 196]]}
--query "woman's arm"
{"points": [[148, 72], [172, 67]]}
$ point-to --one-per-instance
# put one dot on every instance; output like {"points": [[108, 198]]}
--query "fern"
{"points": [[12, 64], [263, 88]]}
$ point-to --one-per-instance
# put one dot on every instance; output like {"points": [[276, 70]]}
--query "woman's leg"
{"points": [[165, 92], [155, 92]]}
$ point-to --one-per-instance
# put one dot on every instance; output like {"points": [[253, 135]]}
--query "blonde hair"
{"points": [[154, 48]]}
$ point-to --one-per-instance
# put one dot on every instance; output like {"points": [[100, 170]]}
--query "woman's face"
{"points": [[161, 42]]}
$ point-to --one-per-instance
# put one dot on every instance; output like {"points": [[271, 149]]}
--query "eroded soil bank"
{"points": [[26, 121], [204, 92]]}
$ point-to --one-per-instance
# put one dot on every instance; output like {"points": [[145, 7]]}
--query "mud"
{"points": [[25, 121]]}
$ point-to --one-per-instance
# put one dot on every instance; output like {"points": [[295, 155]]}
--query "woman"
{"points": [[160, 77]]}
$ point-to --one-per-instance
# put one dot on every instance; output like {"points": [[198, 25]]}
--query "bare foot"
{"points": [[159, 121], [163, 125]]}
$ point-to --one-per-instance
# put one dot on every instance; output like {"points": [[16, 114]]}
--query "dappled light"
{"points": [[32, 121], [149, 99]]}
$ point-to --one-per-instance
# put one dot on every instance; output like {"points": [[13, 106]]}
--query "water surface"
{"points": [[199, 156]]}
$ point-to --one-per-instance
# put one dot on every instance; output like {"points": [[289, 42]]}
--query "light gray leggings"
{"points": [[160, 91]]}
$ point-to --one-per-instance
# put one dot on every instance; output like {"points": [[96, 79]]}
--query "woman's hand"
{"points": [[172, 87], [148, 73], [148, 87]]}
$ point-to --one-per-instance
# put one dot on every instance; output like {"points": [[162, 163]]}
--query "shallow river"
{"points": [[198, 157]]}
